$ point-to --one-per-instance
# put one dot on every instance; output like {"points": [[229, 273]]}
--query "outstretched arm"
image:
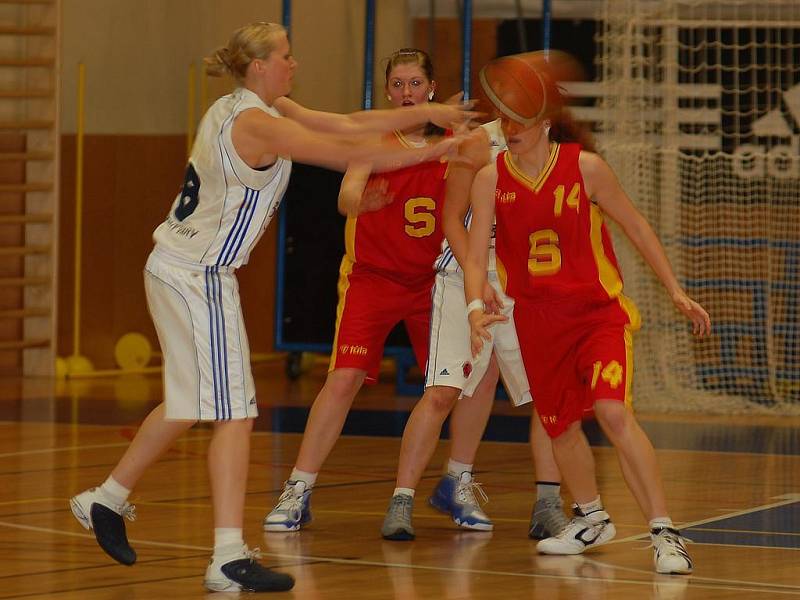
{"points": [[603, 187], [378, 121], [259, 138]]}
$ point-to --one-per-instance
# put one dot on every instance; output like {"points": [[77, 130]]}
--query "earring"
{"points": [[388, 97], [430, 95]]}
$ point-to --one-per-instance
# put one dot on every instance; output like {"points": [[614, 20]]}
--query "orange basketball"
{"points": [[524, 87]]}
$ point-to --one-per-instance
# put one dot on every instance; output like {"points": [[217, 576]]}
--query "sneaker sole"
{"points": [[689, 572], [401, 535], [463, 524], [685, 571], [538, 532], [77, 511], [281, 528], [222, 586], [474, 526], [608, 534]]}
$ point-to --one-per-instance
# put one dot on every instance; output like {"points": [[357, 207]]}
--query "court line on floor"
{"points": [[721, 584], [124, 444], [786, 499]]}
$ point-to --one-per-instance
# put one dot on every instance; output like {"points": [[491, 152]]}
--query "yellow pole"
{"points": [[203, 91], [190, 110], [76, 317]]}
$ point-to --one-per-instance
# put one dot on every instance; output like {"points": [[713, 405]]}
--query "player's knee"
{"points": [[344, 383], [613, 417], [442, 399], [569, 437]]}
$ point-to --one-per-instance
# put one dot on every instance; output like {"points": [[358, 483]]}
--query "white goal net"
{"points": [[700, 114]]}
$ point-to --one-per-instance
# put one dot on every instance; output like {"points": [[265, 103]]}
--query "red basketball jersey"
{"points": [[403, 239], [567, 254]]}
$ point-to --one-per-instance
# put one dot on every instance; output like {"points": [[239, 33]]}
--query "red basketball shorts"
{"points": [[370, 305], [575, 354]]}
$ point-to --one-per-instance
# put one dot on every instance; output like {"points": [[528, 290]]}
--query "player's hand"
{"points": [[376, 195], [701, 322], [491, 299], [479, 323], [453, 113], [445, 146]]}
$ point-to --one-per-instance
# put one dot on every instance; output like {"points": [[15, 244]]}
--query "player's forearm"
{"points": [[649, 246], [380, 121], [474, 267], [456, 235]]}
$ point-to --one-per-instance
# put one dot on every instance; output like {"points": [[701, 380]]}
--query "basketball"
{"points": [[524, 87]]}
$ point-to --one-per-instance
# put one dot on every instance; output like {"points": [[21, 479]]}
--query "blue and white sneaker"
{"points": [[455, 496], [293, 509]]}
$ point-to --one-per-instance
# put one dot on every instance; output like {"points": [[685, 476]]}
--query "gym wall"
{"points": [[137, 55]]}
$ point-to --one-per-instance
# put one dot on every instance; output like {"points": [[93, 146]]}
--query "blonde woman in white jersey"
{"points": [[236, 177], [455, 379]]}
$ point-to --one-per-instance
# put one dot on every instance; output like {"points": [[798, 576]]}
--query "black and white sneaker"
{"points": [[95, 512], [583, 531], [239, 571], [670, 555]]}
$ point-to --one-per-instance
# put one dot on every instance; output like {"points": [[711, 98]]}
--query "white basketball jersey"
{"points": [[447, 260], [224, 205]]}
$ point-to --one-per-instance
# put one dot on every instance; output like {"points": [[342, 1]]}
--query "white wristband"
{"points": [[475, 305]]}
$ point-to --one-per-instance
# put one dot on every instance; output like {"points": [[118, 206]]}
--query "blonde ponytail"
{"points": [[256, 40]]}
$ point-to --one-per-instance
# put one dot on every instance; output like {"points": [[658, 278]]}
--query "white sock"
{"points": [[404, 491], [592, 506], [661, 522], [456, 468], [227, 539], [308, 478], [115, 491]]}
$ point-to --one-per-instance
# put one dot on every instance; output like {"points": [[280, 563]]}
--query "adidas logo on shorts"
{"points": [[444, 372]]}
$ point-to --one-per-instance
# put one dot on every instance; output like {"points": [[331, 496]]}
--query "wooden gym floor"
{"points": [[733, 485]]}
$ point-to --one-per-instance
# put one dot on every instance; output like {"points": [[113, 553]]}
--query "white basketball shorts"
{"points": [[450, 360], [198, 318]]}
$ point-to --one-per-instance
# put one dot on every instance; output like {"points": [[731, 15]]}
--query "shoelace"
{"points": [[129, 512], [399, 507], [290, 501], [253, 554], [576, 524], [466, 493], [670, 539]]}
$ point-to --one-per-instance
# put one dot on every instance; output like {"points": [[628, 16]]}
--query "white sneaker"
{"points": [[584, 531], [96, 512], [293, 509], [239, 571], [669, 554]]}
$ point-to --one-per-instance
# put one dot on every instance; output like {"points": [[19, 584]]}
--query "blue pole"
{"points": [[287, 14], [547, 17], [466, 47], [369, 55], [281, 267]]}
